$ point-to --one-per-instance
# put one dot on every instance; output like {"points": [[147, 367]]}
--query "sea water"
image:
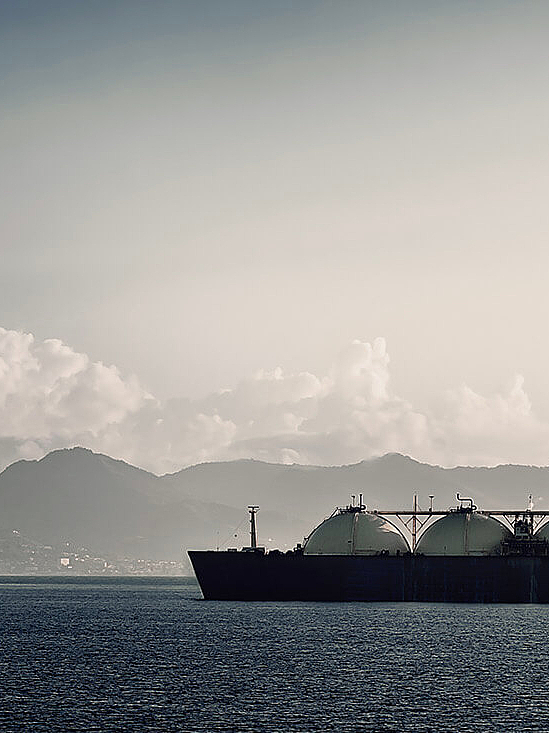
{"points": [[142, 654]]}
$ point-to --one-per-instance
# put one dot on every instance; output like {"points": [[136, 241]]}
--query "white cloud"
{"points": [[52, 396], [49, 394], [501, 428]]}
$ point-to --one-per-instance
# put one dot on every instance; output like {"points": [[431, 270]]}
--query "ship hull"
{"points": [[253, 576]]}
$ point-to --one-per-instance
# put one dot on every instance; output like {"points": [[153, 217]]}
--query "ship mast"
{"points": [[253, 531]]}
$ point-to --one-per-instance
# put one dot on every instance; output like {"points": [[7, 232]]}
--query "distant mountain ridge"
{"points": [[114, 507]]}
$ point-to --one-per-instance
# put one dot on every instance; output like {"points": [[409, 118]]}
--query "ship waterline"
{"points": [[245, 576]]}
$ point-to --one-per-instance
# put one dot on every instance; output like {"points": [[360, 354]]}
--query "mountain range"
{"points": [[112, 507]]}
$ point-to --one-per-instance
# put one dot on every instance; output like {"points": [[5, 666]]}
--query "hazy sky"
{"points": [[198, 191]]}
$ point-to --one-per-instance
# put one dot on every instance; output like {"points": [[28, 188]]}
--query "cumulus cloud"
{"points": [[501, 428], [51, 396]]}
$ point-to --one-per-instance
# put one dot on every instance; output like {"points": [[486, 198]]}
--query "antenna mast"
{"points": [[253, 532]]}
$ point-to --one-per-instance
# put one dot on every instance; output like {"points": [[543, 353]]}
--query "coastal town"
{"points": [[20, 555]]}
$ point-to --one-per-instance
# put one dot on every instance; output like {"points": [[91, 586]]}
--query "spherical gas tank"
{"points": [[355, 533], [463, 533]]}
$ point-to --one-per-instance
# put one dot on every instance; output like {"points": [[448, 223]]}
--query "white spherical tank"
{"points": [[355, 533], [463, 533]]}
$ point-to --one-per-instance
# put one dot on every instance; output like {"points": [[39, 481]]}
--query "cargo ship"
{"points": [[458, 555]]}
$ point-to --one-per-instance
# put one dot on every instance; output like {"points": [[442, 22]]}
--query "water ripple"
{"points": [[147, 656]]}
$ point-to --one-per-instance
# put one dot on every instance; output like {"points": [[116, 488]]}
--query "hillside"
{"points": [[389, 482], [77, 496], [109, 506]]}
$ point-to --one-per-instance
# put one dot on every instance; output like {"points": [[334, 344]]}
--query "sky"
{"points": [[296, 231]]}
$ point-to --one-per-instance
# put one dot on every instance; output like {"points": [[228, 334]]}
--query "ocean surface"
{"points": [[141, 654]]}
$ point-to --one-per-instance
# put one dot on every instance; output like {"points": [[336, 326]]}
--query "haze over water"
{"points": [[147, 655]]}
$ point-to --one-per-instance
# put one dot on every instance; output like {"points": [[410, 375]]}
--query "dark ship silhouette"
{"points": [[459, 555]]}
